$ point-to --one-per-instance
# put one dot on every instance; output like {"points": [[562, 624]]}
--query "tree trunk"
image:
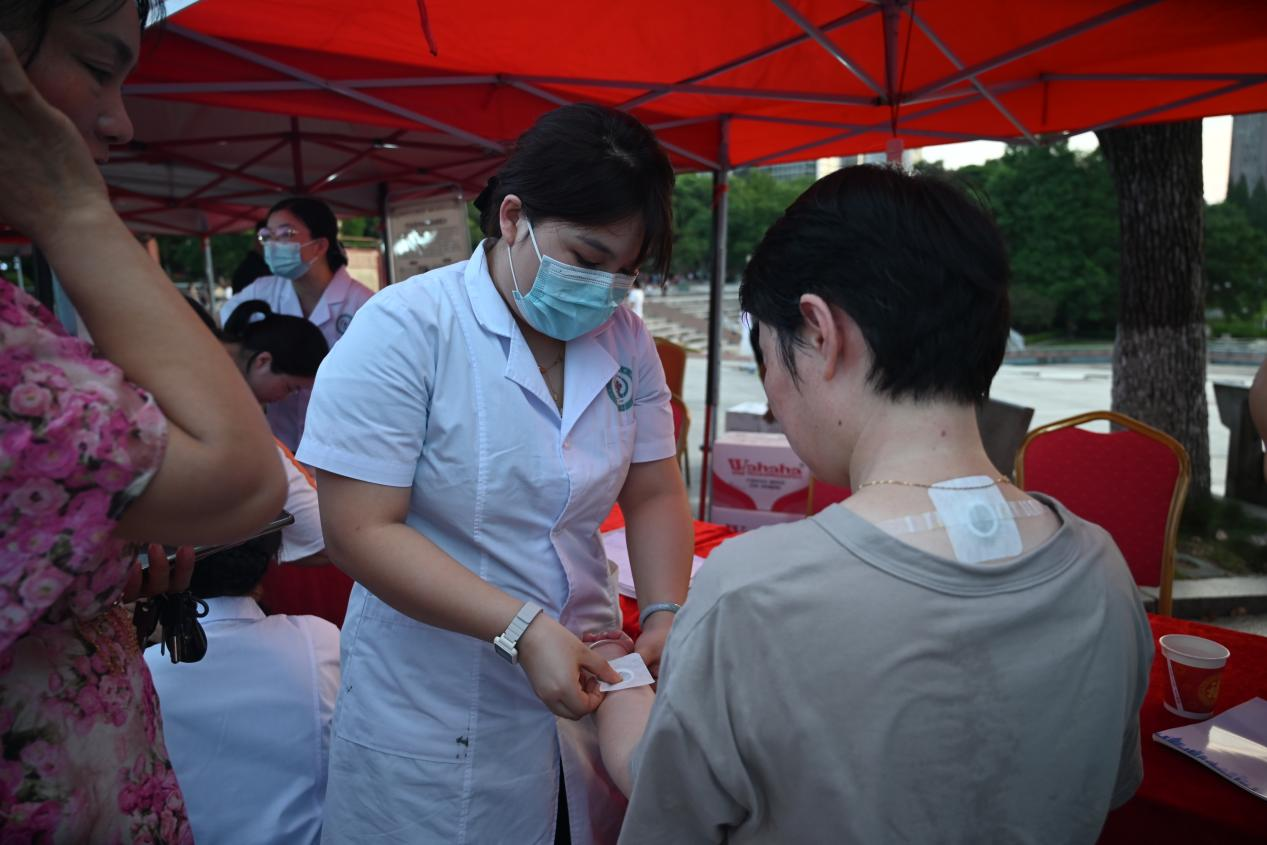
{"points": [[1159, 356]]}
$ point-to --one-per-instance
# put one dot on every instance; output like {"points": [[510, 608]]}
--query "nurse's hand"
{"points": [[652, 639], [562, 669]]}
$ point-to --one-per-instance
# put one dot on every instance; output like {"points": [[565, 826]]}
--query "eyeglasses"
{"points": [[281, 235]]}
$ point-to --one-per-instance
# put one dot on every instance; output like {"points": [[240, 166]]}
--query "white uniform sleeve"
{"points": [[303, 537], [369, 407], [652, 414]]}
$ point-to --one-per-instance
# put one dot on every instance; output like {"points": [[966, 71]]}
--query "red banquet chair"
{"points": [[1132, 481], [821, 494], [681, 427], [673, 360]]}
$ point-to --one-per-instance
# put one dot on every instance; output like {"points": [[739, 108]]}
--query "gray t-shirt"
{"points": [[826, 682]]}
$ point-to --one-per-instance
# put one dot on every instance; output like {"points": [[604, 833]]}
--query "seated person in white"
{"points": [[248, 727], [938, 658]]}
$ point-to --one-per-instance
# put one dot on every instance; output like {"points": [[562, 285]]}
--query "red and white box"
{"points": [[757, 480]]}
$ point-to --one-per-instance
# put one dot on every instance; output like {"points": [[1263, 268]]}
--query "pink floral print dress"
{"points": [[83, 756]]}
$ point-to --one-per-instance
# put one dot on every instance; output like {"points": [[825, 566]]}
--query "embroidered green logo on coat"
{"points": [[620, 389]]}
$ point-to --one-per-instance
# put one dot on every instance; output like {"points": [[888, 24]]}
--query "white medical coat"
{"points": [[434, 388], [248, 726], [332, 314]]}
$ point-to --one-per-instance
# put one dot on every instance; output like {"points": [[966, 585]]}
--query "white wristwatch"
{"points": [[505, 644]]}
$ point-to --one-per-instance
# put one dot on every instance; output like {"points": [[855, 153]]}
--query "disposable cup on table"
{"points": [[1194, 667]]}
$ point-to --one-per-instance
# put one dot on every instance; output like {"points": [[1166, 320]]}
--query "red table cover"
{"points": [[707, 538], [1180, 799]]}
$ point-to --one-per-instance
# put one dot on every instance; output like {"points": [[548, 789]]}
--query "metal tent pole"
{"points": [[721, 184], [211, 273]]}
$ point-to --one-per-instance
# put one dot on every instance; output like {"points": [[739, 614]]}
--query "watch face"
{"points": [[505, 650]]}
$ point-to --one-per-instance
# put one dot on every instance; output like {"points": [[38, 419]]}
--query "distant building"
{"points": [[1249, 151], [793, 170]]}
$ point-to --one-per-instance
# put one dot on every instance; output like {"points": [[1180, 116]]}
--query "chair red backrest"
{"points": [[822, 494], [673, 359], [679, 419], [1131, 481], [681, 427]]}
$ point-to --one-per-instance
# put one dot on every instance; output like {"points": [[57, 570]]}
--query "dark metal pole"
{"points": [[721, 185], [387, 274], [43, 276]]}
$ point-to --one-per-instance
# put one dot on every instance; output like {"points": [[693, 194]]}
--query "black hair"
{"points": [[235, 571], [321, 223], [202, 314], [592, 166], [296, 345], [912, 259], [31, 19]]}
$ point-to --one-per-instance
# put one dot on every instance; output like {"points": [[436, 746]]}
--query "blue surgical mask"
{"points": [[283, 259], [566, 301]]}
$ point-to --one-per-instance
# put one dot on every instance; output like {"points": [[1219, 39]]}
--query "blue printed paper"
{"points": [[1233, 743]]}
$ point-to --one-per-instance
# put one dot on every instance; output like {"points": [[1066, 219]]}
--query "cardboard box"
{"points": [[759, 472], [745, 520], [750, 416]]}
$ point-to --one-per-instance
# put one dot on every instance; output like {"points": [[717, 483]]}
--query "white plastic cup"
{"points": [[1194, 670]]}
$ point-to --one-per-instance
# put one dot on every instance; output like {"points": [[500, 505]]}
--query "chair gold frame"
{"points": [[1178, 496]]}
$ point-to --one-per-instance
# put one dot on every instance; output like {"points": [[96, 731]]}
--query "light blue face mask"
{"points": [[283, 259], [566, 301]]}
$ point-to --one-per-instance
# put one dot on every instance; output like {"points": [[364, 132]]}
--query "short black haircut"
{"points": [[297, 346], [235, 571], [321, 222], [912, 259], [589, 165]]}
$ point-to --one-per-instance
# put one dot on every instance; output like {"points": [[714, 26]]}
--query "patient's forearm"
{"points": [[621, 720]]}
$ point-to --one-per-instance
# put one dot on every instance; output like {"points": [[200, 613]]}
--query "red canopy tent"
{"points": [[238, 102]]}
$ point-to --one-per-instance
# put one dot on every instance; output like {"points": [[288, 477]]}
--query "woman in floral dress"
{"points": [[150, 435]]}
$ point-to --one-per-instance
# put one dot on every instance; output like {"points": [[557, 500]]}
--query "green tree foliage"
{"points": [[1056, 208], [1058, 214], [182, 257], [1235, 261], [1253, 201], [692, 222], [756, 199]]}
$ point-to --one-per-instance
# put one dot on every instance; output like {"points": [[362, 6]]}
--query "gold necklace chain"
{"points": [[557, 359], [1002, 479]]}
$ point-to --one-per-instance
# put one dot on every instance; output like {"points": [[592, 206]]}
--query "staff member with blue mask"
{"points": [[470, 433], [310, 280]]}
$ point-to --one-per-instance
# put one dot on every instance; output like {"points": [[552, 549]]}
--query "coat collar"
{"points": [[589, 368], [335, 293], [232, 608]]}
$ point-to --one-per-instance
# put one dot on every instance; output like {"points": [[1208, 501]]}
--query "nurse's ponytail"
{"points": [[592, 166], [297, 346]]}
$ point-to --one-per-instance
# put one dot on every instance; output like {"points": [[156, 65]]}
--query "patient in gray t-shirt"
{"points": [[849, 678]]}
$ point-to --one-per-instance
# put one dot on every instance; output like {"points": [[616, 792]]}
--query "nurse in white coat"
{"points": [[470, 432], [310, 280]]}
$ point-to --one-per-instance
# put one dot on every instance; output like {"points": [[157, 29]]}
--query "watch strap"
{"points": [[520, 623]]}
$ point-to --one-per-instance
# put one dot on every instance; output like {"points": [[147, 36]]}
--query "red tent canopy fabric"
{"points": [[353, 101]]}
